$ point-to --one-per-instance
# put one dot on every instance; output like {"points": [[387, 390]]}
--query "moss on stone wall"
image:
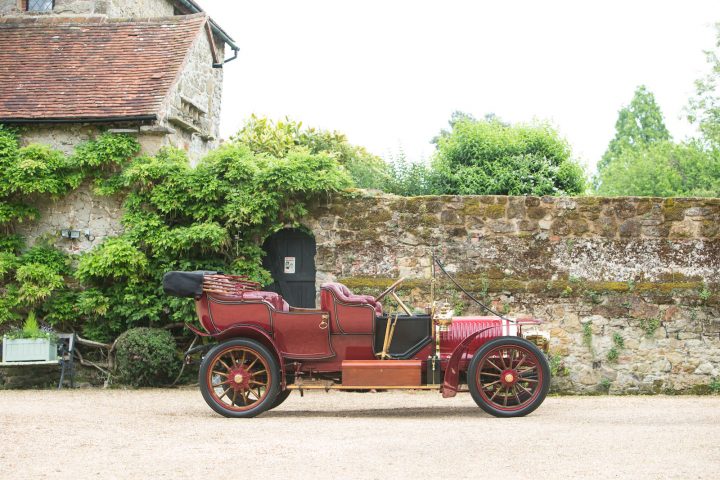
{"points": [[483, 282]]}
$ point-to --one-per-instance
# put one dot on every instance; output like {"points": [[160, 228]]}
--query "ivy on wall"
{"points": [[176, 217]]}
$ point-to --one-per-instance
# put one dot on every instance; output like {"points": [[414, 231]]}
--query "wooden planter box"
{"points": [[29, 350]]}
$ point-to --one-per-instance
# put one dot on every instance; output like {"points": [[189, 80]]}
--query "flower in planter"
{"points": [[30, 344], [32, 330]]}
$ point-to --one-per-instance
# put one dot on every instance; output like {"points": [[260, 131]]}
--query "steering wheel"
{"points": [[389, 289]]}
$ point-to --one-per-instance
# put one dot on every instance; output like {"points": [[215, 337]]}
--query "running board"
{"points": [[334, 386]]}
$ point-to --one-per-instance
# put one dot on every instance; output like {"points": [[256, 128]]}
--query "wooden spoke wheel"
{"points": [[281, 397], [239, 378], [509, 377]]}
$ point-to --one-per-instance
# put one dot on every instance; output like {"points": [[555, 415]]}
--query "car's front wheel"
{"points": [[239, 378], [508, 377]]}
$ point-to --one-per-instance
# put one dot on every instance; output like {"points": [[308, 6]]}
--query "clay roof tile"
{"points": [[90, 68]]}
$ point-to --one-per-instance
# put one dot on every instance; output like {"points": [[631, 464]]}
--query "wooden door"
{"points": [[290, 258]]}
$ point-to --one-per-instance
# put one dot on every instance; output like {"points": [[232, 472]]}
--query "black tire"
{"points": [[281, 397], [498, 382], [240, 378]]}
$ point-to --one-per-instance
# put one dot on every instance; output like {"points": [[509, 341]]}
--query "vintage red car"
{"points": [[265, 348]]}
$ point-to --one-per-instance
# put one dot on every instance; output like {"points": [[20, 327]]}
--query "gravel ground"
{"points": [[117, 434]]}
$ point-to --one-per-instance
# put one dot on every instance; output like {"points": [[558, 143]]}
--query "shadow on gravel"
{"points": [[424, 412]]}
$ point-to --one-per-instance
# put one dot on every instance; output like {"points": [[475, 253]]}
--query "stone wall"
{"points": [[143, 8], [111, 8], [95, 217], [191, 111], [628, 286]]}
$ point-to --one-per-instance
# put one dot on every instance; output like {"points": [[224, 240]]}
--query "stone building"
{"points": [[70, 69]]}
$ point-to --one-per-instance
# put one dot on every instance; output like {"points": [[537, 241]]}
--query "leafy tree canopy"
{"points": [[278, 138], [489, 157], [639, 124], [663, 169], [408, 178], [704, 107], [641, 159]]}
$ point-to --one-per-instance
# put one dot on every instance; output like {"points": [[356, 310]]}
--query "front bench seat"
{"points": [[344, 295]]}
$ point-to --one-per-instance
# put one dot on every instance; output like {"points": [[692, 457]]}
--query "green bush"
{"points": [[409, 178], [146, 357], [662, 169], [114, 258], [214, 216], [277, 139], [489, 157]]}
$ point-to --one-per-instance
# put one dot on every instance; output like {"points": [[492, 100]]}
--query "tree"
{"points": [[641, 159], [408, 178], [489, 157], [278, 138], [663, 169], [639, 124], [458, 116], [704, 108]]}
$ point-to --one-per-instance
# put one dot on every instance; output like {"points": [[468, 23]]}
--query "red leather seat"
{"points": [[272, 298], [344, 295]]}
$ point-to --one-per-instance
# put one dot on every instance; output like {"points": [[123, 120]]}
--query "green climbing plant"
{"points": [[213, 216]]}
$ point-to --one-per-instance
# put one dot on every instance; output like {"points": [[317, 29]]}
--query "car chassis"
{"points": [[266, 349]]}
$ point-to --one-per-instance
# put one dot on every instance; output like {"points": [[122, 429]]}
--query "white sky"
{"points": [[389, 73]]}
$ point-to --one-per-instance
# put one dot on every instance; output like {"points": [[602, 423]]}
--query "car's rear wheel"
{"points": [[509, 377], [239, 378]]}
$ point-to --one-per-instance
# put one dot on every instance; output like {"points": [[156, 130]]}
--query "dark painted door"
{"points": [[290, 258]]}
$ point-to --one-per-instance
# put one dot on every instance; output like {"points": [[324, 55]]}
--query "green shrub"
{"points": [[146, 357], [587, 336], [214, 216], [409, 178], [489, 157], [613, 354], [114, 258], [37, 281], [715, 385], [557, 365], [649, 325]]}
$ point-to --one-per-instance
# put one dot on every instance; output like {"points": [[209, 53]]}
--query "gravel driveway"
{"points": [[172, 434]]}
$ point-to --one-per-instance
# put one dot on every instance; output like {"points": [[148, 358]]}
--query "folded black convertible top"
{"points": [[185, 284]]}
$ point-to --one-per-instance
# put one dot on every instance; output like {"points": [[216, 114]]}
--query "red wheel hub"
{"points": [[239, 378], [509, 377]]}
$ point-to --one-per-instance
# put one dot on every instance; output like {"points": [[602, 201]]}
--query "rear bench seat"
{"points": [[274, 299]]}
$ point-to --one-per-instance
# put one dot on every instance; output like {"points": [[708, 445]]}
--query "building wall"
{"points": [[644, 269], [9, 7], [101, 215], [143, 8], [192, 108], [97, 218], [111, 8], [80, 210]]}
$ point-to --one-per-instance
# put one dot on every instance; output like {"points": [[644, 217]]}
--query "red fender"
{"points": [[452, 371], [256, 333]]}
